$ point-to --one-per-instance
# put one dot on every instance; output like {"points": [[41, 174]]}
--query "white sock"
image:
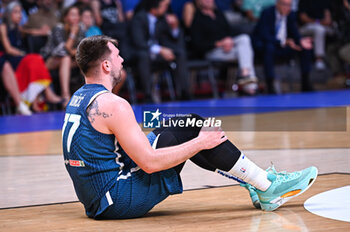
{"points": [[249, 172]]}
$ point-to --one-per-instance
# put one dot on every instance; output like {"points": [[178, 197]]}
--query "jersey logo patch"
{"points": [[75, 163]]}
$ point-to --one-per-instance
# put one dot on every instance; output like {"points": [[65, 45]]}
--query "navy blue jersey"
{"points": [[106, 180], [93, 160]]}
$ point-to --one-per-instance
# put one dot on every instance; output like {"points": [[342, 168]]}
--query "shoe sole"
{"points": [[279, 201], [256, 204]]}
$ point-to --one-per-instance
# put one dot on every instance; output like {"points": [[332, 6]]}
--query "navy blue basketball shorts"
{"points": [[139, 193]]}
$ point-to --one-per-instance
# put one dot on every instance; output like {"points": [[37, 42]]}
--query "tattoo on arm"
{"points": [[93, 112]]}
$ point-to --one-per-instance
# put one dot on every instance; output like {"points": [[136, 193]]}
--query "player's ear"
{"points": [[106, 66]]}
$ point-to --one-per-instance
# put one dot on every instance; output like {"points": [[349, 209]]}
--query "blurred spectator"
{"points": [[253, 8], [88, 23], [157, 37], [336, 42], [129, 8], [211, 36], [231, 11], [10, 84], [60, 48], [31, 73], [344, 51], [109, 17], [42, 22], [316, 20], [276, 36], [4, 3]]}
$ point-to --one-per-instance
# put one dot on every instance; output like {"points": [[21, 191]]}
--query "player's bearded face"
{"points": [[116, 75]]}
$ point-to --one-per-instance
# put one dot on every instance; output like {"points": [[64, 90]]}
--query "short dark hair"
{"points": [[91, 50]]}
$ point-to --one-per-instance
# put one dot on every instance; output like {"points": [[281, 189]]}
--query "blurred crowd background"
{"points": [[174, 49]]}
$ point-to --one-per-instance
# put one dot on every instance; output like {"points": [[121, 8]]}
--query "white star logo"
{"points": [[156, 115]]}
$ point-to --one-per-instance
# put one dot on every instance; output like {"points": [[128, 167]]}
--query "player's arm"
{"points": [[122, 123]]}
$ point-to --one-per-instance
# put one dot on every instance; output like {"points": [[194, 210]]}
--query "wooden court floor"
{"points": [[221, 208], [213, 209]]}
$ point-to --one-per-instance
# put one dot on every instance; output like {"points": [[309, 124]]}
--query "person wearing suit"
{"points": [[156, 37], [276, 36], [212, 37]]}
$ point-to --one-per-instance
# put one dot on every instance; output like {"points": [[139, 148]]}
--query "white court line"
{"points": [[334, 204]]}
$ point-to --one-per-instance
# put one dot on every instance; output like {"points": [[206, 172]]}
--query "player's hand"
{"points": [[211, 137]]}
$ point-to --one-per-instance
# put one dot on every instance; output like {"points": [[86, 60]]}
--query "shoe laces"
{"points": [[273, 170], [282, 176]]}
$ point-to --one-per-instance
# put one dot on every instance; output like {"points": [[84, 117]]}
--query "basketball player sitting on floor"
{"points": [[114, 167]]}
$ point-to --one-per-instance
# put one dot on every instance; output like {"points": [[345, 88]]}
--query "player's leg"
{"points": [[274, 188], [222, 157], [175, 136]]}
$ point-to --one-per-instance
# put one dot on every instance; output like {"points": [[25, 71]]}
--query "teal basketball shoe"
{"points": [[285, 186]]}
